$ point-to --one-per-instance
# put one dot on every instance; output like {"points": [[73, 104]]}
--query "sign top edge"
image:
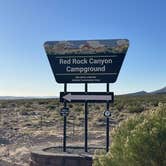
{"points": [[55, 41], [65, 47]]}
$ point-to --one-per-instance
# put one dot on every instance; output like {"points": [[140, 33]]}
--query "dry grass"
{"points": [[28, 123]]}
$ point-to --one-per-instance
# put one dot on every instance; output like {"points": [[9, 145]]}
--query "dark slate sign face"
{"points": [[86, 61]]}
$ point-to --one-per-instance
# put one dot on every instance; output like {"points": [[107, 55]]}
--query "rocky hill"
{"points": [[160, 91]]}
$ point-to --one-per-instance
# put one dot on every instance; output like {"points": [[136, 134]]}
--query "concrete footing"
{"points": [[42, 157]]}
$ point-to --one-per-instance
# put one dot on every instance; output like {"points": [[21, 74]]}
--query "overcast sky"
{"points": [[26, 24]]}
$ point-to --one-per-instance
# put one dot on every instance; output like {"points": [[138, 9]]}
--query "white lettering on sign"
{"points": [[100, 61], [82, 61], [85, 69], [79, 61], [92, 64], [64, 61]]}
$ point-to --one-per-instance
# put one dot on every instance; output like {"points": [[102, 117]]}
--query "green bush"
{"points": [[138, 141], [70, 105], [78, 109], [135, 108], [42, 102], [120, 106], [155, 103], [26, 111], [51, 107]]}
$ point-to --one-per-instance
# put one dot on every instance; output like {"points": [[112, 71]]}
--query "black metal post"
{"points": [[64, 121], [107, 121], [86, 121]]}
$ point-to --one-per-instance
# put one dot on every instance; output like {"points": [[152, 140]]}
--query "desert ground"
{"points": [[27, 123]]}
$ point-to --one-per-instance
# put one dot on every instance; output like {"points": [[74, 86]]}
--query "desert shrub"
{"points": [[26, 111], [97, 107], [135, 108], [51, 107], [120, 106], [28, 104], [155, 103], [78, 109], [70, 105], [138, 141], [3, 105], [13, 105], [42, 102]]}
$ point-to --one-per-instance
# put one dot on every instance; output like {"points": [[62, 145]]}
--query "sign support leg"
{"points": [[86, 121], [107, 123], [64, 120]]}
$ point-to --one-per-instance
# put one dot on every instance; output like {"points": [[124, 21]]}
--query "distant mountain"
{"points": [[12, 97], [160, 91], [140, 93], [25, 97]]}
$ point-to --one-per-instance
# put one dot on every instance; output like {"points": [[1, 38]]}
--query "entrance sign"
{"points": [[86, 61], [90, 97]]}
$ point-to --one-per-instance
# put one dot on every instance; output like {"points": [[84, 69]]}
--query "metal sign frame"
{"points": [[86, 113], [86, 61]]}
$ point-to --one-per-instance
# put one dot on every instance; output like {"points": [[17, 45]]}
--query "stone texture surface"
{"points": [[42, 158]]}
